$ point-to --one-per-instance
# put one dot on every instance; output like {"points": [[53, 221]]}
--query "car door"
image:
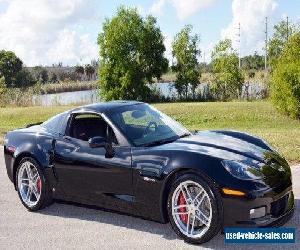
{"points": [[90, 175]]}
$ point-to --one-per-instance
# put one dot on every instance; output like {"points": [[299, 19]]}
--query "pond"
{"points": [[91, 96], [166, 89], [67, 98]]}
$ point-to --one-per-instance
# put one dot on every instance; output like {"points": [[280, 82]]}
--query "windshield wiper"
{"points": [[159, 142], [169, 140], [185, 135]]}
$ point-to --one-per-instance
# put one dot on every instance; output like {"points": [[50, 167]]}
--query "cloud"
{"points": [[72, 48], [168, 44], [251, 15], [187, 8], [184, 8], [157, 7], [44, 31]]}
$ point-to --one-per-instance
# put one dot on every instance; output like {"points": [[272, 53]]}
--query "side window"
{"points": [[86, 126], [57, 123]]}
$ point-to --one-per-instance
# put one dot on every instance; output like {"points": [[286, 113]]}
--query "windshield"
{"points": [[144, 125]]}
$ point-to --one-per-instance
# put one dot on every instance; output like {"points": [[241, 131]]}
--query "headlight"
{"points": [[242, 171]]}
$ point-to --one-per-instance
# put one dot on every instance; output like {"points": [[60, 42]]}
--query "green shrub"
{"points": [[229, 78], [285, 81], [24, 79], [3, 90], [2, 85]]}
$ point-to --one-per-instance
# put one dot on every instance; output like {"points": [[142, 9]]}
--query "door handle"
{"points": [[74, 146]]}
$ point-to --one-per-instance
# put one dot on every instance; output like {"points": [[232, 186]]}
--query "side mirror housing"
{"points": [[97, 142]]}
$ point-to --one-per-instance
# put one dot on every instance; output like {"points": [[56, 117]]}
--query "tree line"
{"points": [[131, 58], [15, 75]]}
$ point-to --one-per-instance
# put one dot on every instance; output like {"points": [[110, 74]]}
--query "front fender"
{"points": [[152, 171]]}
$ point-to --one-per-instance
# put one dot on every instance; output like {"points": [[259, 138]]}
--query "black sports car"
{"points": [[129, 157]]}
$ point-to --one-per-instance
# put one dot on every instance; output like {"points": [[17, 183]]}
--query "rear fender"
{"points": [[42, 154]]}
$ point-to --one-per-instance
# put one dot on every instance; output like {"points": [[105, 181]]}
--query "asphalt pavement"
{"points": [[64, 226]]}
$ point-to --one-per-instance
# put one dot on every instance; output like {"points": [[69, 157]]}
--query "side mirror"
{"points": [[97, 142]]}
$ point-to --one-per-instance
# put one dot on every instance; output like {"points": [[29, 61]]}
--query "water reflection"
{"points": [[166, 89]]}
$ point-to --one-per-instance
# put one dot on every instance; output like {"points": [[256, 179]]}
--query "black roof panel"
{"points": [[103, 107]]}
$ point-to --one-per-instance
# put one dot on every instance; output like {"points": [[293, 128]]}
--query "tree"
{"points": [[89, 71], [229, 79], [41, 74], [285, 80], [185, 50], [282, 32], [131, 55], [79, 70], [205, 67], [24, 79], [253, 62], [66, 75], [10, 65], [95, 63], [53, 78], [44, 77]]}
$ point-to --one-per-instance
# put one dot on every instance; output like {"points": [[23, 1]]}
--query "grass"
{"points": [[258, 118], [259, 77]]}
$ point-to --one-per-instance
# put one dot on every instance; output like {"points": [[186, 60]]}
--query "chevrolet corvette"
{"points": [[129, 157]]}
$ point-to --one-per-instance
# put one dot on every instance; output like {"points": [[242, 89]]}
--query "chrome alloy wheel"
{"points": [[191, 209], [29, 184]]}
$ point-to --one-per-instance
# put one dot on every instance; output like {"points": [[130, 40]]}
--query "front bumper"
{"points": [[279, 209]]}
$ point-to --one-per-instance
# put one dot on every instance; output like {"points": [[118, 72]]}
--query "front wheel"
{"points": [[193, 209], [32, 186]]}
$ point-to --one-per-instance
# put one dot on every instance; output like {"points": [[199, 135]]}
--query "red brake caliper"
{"points": [[39, 185], [182, 201]]}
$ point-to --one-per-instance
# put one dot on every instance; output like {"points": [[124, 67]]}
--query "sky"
{"points": [[45, 32]]}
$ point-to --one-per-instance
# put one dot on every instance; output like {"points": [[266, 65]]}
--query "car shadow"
{"points": [[92, 213], [101, 215]]}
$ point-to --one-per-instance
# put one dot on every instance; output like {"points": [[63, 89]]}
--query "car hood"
{"points": [[225, 145], [242, 147], [237, 146]]}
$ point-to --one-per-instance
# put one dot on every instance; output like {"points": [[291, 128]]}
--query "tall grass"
{"points": [[17, 97], [258, 76], [68, 86]]}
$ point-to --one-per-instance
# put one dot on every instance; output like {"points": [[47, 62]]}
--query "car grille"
{"points": [[278, 207]]}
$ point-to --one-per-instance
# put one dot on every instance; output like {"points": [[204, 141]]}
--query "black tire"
{"points": [[46, 192], [216, 205]]}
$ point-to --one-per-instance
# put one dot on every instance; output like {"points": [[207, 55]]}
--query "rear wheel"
{"points": [[193, 209], [32, 186]]}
